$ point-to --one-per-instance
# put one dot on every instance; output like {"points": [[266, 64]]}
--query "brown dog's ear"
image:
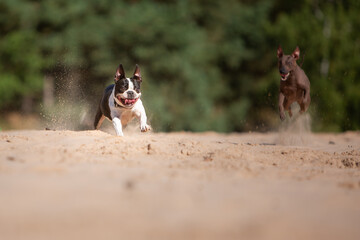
{"points": [[120, 73], [279, 52], [137, 74], [296, 53]]}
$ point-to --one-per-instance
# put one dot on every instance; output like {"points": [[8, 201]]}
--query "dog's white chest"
{"points": [[125, 114]]}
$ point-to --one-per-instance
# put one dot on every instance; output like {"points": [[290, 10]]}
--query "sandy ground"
{"points": [[94, 185]]}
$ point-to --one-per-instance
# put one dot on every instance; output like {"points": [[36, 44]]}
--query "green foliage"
{"points": [[20, 69], [206, 64]]}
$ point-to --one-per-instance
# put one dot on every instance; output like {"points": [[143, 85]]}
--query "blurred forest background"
{"points": [[206, 64]]}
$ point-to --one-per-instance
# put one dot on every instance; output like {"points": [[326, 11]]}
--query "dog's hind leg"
{"points": [[304, 105], [304, 102], [99, 118], [287, 106]]}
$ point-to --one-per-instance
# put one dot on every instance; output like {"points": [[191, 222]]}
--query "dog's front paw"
{"points": [[282, 116], [145, 128]]}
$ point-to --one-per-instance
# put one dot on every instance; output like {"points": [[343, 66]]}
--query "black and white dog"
{"points": [[121, 102]]}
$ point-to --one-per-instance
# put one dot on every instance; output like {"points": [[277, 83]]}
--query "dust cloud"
{"points": [[295, 130]]}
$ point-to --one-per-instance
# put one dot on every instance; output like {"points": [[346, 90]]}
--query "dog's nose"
{"points": [[131, 95], [282, 71]]}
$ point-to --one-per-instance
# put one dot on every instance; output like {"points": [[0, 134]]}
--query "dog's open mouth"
{"points": [[127, 101], [284, 76]]}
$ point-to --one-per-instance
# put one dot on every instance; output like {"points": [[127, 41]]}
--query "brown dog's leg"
{"points": [[281, 106], [287, 106], [304, 104], [302, 107], [305, 101]]}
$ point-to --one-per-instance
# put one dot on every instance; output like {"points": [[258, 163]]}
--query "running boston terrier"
{"points": [[121, 102]]}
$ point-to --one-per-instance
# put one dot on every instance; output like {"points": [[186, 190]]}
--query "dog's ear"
{"points": [[279, 52], [120, 73], [296, 53], [137, 75]]}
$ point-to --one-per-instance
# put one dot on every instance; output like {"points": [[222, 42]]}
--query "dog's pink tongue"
{"points": [[129, 101]]}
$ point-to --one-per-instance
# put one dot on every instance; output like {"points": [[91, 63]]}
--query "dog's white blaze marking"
{"points": [[131, 88], [131, 85]]}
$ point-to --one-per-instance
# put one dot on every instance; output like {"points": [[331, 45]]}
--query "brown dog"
{"points": [[294, 84]]}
